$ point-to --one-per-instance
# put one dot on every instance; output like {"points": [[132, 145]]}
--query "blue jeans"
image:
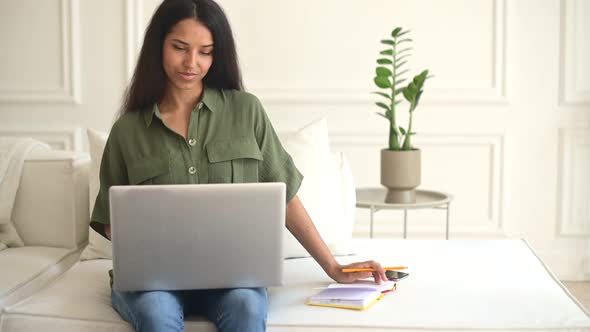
{"points": [[236, 309]]}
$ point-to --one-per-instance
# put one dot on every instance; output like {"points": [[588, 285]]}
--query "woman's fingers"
{"points": [[378, 274], [362, 275], [377, 277]]}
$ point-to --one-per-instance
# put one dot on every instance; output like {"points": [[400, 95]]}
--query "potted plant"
{"points": [[400, 162]]}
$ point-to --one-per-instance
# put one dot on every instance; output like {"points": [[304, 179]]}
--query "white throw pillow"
{"points": [[327, 191], [9, 236], [323, 192], [98, 247], [13, 153]]}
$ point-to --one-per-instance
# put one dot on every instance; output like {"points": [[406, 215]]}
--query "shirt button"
{"points": [[192, 142], [192, 170], [200, 105]]}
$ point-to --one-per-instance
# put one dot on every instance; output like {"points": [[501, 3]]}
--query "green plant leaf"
{"points": [[397, 65], [382, 71], [386, 52], [417, 99], [405, 50], [384, 61], [397, 102], [402, 130], [384, 106], [403, 33], [388, 42], [422, 77], [397, 59], [384, 95], [382, 82], [398, 82], [381, 114], [398, 74], [418, 81], [408, 94], [400, 90], [395, 32], [415, 89], [405, 40]]}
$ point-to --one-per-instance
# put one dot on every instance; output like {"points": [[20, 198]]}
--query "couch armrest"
{"points": [[51, 207]]}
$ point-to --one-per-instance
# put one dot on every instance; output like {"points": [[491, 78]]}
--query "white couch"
{"points": [[50, 215], [454, 285]]}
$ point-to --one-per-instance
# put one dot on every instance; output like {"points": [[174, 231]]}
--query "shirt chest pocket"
{"points": [[233, 161], [149, 170]]}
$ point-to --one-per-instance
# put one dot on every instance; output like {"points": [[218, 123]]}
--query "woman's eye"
{"points": [[206, 53], [177, 47]]}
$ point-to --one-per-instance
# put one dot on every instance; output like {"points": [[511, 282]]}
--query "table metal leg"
{"points": [[448, 208], [371, 224], [405, 223]]}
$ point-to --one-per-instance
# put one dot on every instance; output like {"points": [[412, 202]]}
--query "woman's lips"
{"points": [[187, 76]]}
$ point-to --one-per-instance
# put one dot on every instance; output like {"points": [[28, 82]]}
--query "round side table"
{"points": [[374, 200]]}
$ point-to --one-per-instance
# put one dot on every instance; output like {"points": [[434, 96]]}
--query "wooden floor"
{"points": [[581, 290]]}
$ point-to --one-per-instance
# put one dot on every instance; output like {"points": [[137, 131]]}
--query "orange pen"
{"points": [[369, 269]]}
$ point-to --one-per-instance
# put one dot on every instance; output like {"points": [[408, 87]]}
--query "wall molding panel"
{"points": [[60, 139], [134, 30], [276, 93], [572, 17], [574, 184], [69, 91], [493, 147]]}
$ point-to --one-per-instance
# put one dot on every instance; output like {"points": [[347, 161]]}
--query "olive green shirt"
{"points": [[230, 140]]}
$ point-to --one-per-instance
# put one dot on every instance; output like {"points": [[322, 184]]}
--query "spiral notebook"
{"points": [[359, 295]]}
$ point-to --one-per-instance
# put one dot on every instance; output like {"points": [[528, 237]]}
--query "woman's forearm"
{"points": [[301, 226]]}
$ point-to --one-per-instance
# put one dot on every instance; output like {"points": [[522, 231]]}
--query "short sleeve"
{"points": [[112, 172], [277, 165]]}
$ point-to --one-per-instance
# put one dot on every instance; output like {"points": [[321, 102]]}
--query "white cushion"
{"points": [[98, 247], [96, 143], [9, 236], [79, 301], [13, 152], [327, 191], [51, 203], [25, 270], [466, 285]]}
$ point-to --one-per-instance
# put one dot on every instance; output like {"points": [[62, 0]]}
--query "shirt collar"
{"points": [[211, 99]]}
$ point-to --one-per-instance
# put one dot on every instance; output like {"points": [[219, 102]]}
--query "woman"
{"points": [[184, 108]]}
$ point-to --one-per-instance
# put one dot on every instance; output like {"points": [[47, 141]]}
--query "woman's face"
{"points": [[187, 54]]}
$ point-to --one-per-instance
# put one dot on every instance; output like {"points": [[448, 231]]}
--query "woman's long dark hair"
{"points": [[149, 79]]}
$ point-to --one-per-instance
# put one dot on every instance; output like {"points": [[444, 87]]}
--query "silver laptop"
{"points": [[168, 237]]}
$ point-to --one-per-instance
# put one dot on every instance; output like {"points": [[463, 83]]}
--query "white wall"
{"points": [[504, 125]]}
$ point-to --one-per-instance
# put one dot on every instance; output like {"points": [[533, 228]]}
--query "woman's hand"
{"points": [[350, 277], [301, 226]]}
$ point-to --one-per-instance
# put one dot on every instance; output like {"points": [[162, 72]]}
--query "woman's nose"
{"points": [[190, 59]]}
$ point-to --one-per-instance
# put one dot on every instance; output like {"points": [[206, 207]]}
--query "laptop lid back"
{"points": [[168, 237]]}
